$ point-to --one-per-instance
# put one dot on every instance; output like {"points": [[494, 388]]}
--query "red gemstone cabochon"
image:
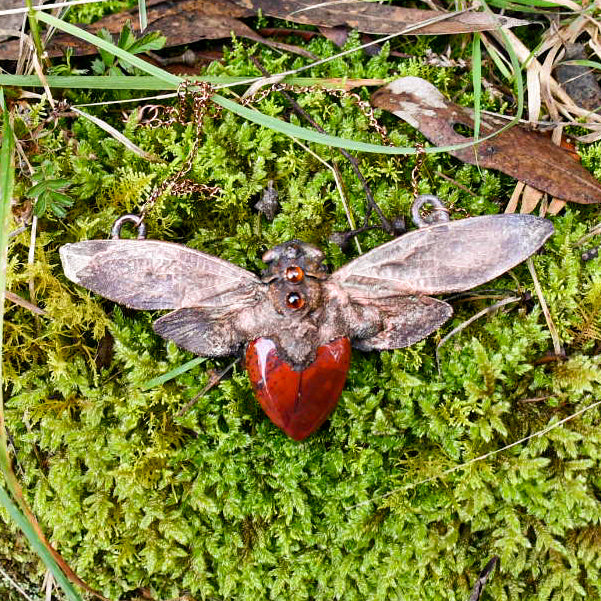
{"points": [[298, 402]]}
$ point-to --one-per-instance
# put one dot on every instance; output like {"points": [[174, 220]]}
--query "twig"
{"points": [[214, 379], [455, 183], [17, 300], [535, 399], [30, 262], [371, 203], [332, 168]]}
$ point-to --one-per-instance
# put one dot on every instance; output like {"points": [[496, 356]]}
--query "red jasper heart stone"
{"points": [[298, 402]]}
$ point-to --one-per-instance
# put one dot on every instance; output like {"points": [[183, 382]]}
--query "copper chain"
{"points": [[195, 105], [420, 155], [191, 106]]}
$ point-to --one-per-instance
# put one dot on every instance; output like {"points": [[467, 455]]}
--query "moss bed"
{"points": [[218, 503]]}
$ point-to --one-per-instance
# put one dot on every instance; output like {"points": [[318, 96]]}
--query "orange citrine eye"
{"points": [[295, 301], [294, 274]]}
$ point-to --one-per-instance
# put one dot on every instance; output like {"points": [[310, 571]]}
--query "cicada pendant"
{"points": [[296, 323]]}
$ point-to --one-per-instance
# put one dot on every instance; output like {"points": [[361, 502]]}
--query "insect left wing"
{"points": [[152, 274], [210, 294], [447, 257]]}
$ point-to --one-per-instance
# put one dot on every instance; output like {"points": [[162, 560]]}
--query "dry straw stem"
{"points": [[543, 303], [407, 30], [15, 585], [17, 300], [555, 96], [109, 129], [25, 39], [23, 10]]}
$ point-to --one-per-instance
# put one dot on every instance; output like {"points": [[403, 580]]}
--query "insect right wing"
{"points": [[388, 286], [406, 320], [443, 258]]}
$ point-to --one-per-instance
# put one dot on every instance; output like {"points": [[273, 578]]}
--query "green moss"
{"points": [[221, 505]]}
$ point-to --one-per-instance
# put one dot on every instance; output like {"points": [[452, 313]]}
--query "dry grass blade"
{"points": [[109, 129], [15, 585], [559, 352], [214, 379], [564, 104], [23, 10], [17, 300]]}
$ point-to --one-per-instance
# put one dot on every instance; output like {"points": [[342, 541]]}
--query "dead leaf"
{"points": [[526, 155], [11, 22], [372, 17], [578, 81], [181, 23]]}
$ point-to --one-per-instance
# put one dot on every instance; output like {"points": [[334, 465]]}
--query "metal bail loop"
{"points": [[440, 213], [135, 219]]}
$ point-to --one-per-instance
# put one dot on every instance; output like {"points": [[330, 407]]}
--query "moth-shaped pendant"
{"points": [[296, 323]]}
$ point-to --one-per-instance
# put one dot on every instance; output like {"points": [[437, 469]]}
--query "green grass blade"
{"points": [[497, 59], [125, 56], [518, 81], [583, 63], [173, 373], [252, 115], [517, 74], [477, 82], [38, 546], [138, 82], [7, 172]]}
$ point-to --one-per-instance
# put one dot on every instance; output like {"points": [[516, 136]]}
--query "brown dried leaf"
{"points": [[524, 154], [579, 82], [182, 22], [372, 17]]}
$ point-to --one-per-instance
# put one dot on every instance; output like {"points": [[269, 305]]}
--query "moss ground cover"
{"points": [[218, 503]]}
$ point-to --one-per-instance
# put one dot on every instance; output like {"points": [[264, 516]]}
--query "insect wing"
{"points": [[213, 333], [152, 274], [406, 321], [447, 257]]}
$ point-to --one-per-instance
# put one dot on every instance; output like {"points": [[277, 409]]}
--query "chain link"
{"points": [[194, 106], [420, 156], [191, 107], [364, 106]]}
